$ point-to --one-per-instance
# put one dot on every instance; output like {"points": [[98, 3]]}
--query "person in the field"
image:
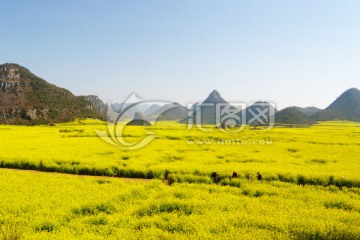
{"points": [[234, 175], [214, 177], [259, 176]]}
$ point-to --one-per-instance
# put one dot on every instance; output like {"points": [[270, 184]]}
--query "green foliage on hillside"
{"points": [[345, 107], [46, 102], [292, 115]]}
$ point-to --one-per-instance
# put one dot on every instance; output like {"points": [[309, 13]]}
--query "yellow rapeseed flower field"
{"points": [[310, 186]]}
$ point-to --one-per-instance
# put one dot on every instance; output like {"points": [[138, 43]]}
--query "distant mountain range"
{"points": [[205, 113], [308, 111], [231, 114], [168, 112], [345, 107], [293, 115], [28, 99]]}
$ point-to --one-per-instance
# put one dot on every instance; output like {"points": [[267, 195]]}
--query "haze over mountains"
{"points": [[28, 99]]}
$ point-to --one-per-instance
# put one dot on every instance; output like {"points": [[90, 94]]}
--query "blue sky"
{"points": [[302, 53]]}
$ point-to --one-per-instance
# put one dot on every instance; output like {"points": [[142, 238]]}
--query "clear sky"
{"points": [[300, 52]]}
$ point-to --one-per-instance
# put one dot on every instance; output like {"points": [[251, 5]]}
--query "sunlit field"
{"points": [[310, 186], [326, 153], [56, 206]]}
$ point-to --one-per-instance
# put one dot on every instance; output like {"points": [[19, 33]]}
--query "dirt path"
{"points": [[76, 175]]}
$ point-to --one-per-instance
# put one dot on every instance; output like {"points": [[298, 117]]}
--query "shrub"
{"points": [[339, 205], [165, 207], [170, 179], [46, 227], [301, 180], [89, 210], [188, 178], [102, 181], [102, 220]]}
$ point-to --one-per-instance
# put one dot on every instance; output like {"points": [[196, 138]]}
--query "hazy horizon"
{"points": [[302, 53]]}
